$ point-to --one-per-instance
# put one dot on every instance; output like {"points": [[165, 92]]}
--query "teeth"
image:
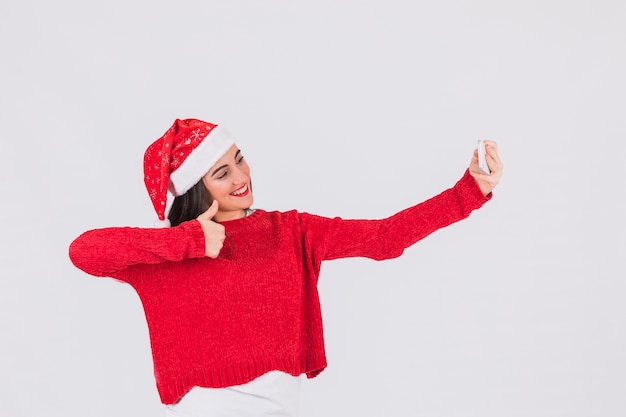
{"points": [[241, 190]]}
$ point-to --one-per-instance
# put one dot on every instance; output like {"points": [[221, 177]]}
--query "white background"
{"points": [[350, 108]]}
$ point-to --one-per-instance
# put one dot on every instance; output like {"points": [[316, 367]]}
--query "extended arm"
{"points": [[108, 252], [387, 238]]}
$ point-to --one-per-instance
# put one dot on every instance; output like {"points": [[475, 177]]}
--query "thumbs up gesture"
{"points": [[214, 234]]}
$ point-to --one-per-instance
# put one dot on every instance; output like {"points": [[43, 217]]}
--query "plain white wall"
{"points": [[350, 108]]}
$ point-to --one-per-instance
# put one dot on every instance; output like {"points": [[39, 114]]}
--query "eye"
{"points": [[240, 160], [223, 175]]}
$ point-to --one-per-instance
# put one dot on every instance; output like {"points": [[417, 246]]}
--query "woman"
{"points": [[230, 293]]}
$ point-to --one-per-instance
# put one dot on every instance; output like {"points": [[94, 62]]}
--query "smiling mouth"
{"points": [[241, 192]]}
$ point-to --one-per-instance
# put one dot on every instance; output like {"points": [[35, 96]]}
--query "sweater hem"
{"points": [[172, 388]]}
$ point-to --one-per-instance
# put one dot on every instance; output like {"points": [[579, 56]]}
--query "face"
{"points": [[228, 182]]}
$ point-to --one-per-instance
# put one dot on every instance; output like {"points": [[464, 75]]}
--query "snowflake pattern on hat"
{"points": [[167, 154]]}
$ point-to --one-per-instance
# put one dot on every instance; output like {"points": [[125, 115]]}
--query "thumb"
{"points": [[211, 211]]}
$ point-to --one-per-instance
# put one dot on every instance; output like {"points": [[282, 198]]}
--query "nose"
{"points": [[239, 176]]}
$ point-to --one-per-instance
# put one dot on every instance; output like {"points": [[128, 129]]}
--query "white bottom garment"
{"points": [[275, 394]]}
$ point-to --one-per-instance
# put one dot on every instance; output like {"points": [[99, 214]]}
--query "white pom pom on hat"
{"points": [[180, 158]]}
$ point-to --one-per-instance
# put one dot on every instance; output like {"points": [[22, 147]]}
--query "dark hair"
{"points": [[189, 205]]}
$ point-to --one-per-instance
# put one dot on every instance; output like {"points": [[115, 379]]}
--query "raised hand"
{"points": [[487, 182], [214, 234]]}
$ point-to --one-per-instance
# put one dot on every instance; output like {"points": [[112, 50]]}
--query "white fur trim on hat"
{"points": [[200, 160]]}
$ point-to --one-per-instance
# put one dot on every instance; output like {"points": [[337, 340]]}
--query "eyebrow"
{"points": [[215, 172], [225, 165]]}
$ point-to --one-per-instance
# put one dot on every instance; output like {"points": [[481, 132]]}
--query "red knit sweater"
{"points": [[225, 321]]}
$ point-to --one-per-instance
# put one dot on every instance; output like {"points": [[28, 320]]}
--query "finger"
{"points": [[474, 157], [491, 148], [474, 163], [493, 156], [490, 143], [214, 251], [212, 211]]}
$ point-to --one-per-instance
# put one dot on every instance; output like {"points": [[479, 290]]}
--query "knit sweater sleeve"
{"points": [[387, 238], [111, 252]]}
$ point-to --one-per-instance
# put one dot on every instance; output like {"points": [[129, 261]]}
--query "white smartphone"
{"points": [[482, 160]]}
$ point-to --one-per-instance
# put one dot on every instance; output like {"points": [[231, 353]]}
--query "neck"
{"points": [[224, 216]]}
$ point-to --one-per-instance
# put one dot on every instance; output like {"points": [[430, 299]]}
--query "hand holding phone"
{"points": [[482, 159]]}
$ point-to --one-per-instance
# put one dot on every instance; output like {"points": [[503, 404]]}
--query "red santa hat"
{"points": [[180, 158]]}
